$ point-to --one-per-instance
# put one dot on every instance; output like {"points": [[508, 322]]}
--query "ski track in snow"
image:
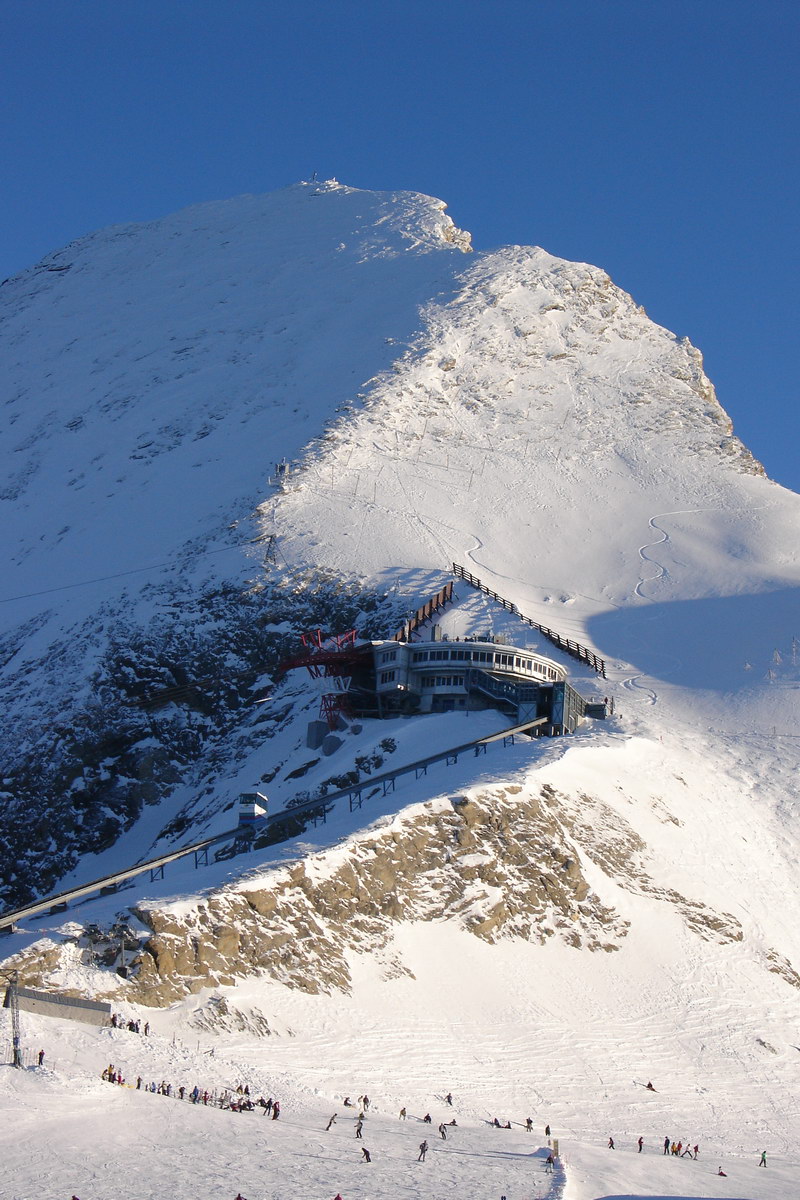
{"points": [[633, 683], [661, 570]]}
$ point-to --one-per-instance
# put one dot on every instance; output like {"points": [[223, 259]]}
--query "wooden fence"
{"points": [[573, 648], [425, 612]]}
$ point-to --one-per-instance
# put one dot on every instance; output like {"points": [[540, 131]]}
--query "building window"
{"points": [[389, 656], [388, 676], [439, 655], [419, 656]]}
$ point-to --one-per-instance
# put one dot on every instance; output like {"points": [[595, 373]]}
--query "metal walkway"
{"points": [[315, 810]]}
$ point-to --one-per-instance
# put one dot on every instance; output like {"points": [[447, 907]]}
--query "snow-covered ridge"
{"points": [[510, 411]]}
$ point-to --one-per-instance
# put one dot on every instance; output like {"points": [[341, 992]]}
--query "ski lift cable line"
{"points": [[64, 587]]}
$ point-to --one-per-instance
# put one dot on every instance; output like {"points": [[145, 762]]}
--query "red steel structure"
{"points": [[332, 656]]}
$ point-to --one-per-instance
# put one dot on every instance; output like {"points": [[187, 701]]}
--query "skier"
{"points": [[723, 1173], [359, 1127], [427, 1118], [331, 1122], [547, 1131], [276, 1110], [423, 1150], [666, 1145], [442, 1133], [365, 1102], [611, 1145], [41, 1057], [548, 1164], [366, 1153], [449, 1099], [641, 1143], [695, 1149], [403, 1114], [763, 1159], [650, 1087]]}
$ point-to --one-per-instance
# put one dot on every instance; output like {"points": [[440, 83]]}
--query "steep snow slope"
{"points": [[510, 411], [153, 377], [153, 374]]}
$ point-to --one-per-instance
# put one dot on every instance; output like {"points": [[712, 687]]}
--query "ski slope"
{"points": [[72, 1133]]}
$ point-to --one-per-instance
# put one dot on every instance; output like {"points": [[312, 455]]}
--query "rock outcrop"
{"points": [[503, 863]]}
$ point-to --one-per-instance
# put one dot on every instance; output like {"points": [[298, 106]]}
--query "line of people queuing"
{"points": [[236, 1100]]}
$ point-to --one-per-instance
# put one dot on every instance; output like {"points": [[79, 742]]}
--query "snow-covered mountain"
{"points": [[625, 899]]}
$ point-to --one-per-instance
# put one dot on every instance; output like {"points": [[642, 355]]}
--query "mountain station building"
{"points": [[473, 673]]}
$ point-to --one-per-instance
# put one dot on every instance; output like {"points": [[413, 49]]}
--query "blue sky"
{"points": [[656, 139]]}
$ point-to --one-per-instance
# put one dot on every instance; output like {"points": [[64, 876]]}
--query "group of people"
{"points": [[120, 1022], [680, 1149], [238, 1100], [442, 1128], [677, 1148], [363, 1102]]}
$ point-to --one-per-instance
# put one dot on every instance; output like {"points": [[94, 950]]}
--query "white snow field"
{"points": [[517, 414]]}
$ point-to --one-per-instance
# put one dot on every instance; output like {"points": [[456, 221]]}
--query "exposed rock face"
{"points": [[500, 864], [610, 842], [506, 863]]}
